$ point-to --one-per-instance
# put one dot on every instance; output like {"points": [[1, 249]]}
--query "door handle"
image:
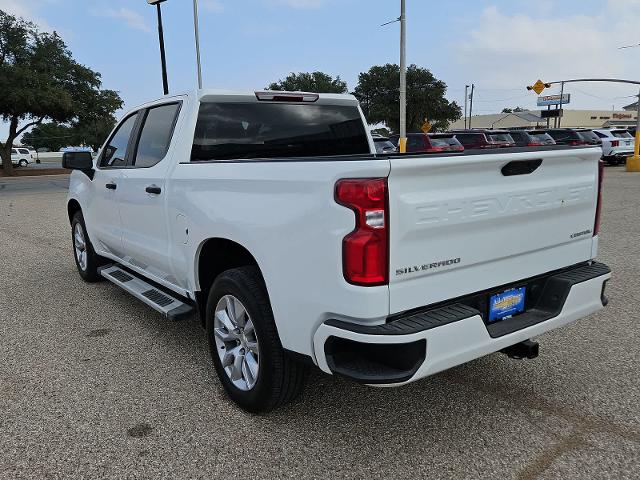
{"points": [[111, 186], [156, 190]]}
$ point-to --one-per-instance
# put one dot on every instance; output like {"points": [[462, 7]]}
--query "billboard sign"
{"points": [[554, 100]]}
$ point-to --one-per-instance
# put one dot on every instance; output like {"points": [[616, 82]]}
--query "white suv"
{"points": [[617, 145], [21, 157]]}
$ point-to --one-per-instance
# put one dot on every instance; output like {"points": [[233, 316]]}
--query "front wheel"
{"points": [[87, 261], [244, 343]]}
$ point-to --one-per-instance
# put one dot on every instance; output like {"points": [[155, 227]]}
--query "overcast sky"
{"points": [[500, 45]]}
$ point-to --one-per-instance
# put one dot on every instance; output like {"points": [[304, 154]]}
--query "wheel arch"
{"points": [[216, 255], [73, 207]]}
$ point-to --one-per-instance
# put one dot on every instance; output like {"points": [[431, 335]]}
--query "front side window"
{"points": [[24, 151], [115, 153], [227, 131], [156, 135]]}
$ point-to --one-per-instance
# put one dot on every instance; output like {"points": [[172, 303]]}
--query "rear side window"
{"points": [[14, 151], [500, 137], [443, 141], [24, 151], [621, 134], [227, 131], [156, 135], [470, 138], [115, 153]]}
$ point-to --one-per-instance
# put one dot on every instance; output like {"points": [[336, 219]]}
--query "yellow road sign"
{"points": [[426, 127], [539, 86]]}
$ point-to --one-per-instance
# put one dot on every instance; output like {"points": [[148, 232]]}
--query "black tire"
{"points": [[90, 272], [280, 378], [23, 163]]}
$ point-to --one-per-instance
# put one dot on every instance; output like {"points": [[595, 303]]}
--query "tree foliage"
{"points": [[316, 82], [379, 93], [513, 110], [40, 80]]}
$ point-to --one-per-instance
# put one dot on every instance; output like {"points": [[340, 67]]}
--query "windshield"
{"points": [[500, 137], [267, 130]]}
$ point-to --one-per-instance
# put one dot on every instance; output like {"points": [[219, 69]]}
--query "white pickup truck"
{"points": [[270, 215]]}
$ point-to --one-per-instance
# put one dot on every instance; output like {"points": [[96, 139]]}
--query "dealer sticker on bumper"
{"points": [[506, 304]]}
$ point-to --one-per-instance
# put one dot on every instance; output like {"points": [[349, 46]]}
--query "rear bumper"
{"points": [[420, 344]]}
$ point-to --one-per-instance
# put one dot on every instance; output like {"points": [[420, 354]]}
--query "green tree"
{"points": [[316, 82], [40, 80], [379, 93], [51, 135], [513, 110]]}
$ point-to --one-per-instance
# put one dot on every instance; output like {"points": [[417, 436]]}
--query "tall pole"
{"points": [[403, 77], [466, 101], [561, 95], [473, 88], [163, 58], [636, 156], [196, 29]]}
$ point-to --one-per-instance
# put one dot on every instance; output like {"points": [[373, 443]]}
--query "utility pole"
{"points": [[466, 102], [403, 77], [561, 95], [636, 156], [196, 30], [473, 88], [163, 59]]}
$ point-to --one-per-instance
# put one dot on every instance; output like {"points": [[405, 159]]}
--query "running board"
{"points": [[170, 307]]}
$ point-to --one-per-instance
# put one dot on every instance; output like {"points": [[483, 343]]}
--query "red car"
{"points": [[430, 143]]}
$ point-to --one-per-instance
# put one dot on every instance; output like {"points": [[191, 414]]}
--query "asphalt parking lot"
{"points": [[95, 384]]}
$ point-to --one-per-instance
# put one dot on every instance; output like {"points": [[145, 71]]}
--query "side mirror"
{"points": [[77, 160], [82, 161]]}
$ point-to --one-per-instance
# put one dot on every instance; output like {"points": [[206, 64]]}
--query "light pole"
{"points": [[163, 59], [466, 101], [196, 29], [403, 77]]}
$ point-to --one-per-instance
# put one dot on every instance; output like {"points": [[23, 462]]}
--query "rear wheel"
{"points": [[246, 350], [87, 261], [23, 163]]}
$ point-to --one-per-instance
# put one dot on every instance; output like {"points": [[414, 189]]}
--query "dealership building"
{"points": [[570, 118]]}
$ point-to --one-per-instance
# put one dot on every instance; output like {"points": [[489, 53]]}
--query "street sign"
{"points": [[550, 113], [155, 2], [554, 100], [426, 127], [539, 86]]}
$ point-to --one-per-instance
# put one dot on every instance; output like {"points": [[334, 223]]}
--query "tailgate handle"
{"points": [[521, 167]]}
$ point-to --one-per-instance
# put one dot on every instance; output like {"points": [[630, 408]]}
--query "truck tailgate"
{"points": [[463, 224]]}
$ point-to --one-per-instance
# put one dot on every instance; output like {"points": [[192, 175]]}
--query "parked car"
{"points": [[617, 145], [272, 217], [542, 137], [564, 136], [430, 143], [383, 144], [589, 136], [21, 157], [522, 138], [471, 139]]}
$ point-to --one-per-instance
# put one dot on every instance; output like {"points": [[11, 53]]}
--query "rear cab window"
{"points": [[255, 130]]}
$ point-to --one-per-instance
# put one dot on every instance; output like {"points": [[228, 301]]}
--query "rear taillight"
{"points": [[534, 144], [596, 226], [365, 250], [435, 149], [615, 143]]}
